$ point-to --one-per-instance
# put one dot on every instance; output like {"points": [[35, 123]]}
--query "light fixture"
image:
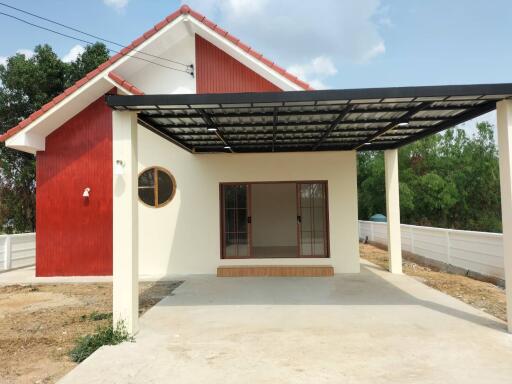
{"points": [[402, 125], [368, 143], [85, 195], [119, 167], [227, 147], [212, 129]]}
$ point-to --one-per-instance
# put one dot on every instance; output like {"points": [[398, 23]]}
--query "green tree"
{"points": [[26, 84], [446, 180]]}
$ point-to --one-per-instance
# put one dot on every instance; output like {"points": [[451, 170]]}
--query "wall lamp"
{"points": [[119, 167]]}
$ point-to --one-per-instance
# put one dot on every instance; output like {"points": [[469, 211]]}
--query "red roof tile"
{"points": [[125, 84], [185, 9]]}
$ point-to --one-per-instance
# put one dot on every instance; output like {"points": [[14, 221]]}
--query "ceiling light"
{"points": [[227, 147], [212, 129], [368, 143], [402, 125]]}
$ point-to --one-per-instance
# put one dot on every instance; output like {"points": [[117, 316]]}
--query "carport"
{"points": [[303, 121]]}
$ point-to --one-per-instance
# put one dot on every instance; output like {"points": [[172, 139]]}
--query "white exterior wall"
{"points": [[183, 237], [158, 80]]}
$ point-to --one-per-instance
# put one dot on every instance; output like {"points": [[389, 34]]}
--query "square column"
{"points": [[393, 210], [125, 221], [504, 114]]}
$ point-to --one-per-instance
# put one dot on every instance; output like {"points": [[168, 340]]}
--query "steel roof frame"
{"points": [[200, 122]]}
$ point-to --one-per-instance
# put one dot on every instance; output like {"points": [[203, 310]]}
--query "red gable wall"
{"points": [[217, 72], [73, 235]]}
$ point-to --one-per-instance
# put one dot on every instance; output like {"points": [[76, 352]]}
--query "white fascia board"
{"points": [[26, 142], [242, 56], [122, 91], [47, 123]]}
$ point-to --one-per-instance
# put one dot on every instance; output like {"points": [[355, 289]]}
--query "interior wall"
{"points": [[274, 215], [183, 237]]}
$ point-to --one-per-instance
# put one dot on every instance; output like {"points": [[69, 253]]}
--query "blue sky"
{"points": [[330, 43]]}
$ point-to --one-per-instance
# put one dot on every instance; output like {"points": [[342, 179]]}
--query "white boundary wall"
{"points": [[17, 250], [479, 252]]}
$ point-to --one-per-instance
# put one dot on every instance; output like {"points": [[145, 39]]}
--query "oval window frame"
{"points": [[157, 168]]}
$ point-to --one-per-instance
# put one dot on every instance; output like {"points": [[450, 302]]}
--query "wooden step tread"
{"points": [[275, 270]]}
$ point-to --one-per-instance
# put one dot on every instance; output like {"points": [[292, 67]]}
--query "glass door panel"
{"points": [[312, 219], [236, 219]]}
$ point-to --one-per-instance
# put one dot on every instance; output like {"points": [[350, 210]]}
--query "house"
{"points": [[191, 153]]}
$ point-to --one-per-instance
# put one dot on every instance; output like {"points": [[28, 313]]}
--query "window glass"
{"points": [[156, 187]]}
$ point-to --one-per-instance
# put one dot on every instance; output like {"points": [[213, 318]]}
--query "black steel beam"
{"points": [[333, 125], [211, 124], [270, 114], [278, 132], [274, 129], [295, 123], [402, 119], [471, 114], [312, 97], [163, 133]]}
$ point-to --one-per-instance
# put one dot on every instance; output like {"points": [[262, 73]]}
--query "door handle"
{"points": [[299, 219], [249, 219]]}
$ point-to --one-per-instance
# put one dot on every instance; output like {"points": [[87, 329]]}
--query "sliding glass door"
{"points": [[312, 219], [236, 220], [274, 226]]}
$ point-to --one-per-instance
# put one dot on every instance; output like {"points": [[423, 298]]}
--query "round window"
{"points": [[156, 186]]}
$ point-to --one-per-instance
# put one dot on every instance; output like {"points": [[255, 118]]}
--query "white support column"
{"points": [[504, 112], [393, 210], [125, 220]]}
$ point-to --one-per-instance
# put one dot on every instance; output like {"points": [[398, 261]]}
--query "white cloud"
{"points": [[315, 72], [376, 50], [27, 52], [116, 4], [73, 53], [295, 33]]}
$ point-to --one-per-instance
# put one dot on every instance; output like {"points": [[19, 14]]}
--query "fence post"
{"points": [[7, 253], [372, 236]]}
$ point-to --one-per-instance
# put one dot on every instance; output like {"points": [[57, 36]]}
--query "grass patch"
{"points": [[108, 335], [97, 316]]}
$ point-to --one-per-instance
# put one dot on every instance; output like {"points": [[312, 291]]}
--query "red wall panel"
{"points": [[218, 72], [74, 235]]}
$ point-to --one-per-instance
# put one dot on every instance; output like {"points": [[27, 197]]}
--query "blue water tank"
{"points": [[379, 218]]}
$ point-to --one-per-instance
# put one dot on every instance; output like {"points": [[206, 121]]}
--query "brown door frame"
{"points": [[223, 222], [249, 215], [326, 221]]}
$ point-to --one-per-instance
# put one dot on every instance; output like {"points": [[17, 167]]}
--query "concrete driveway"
{"points": [[372, 327]]}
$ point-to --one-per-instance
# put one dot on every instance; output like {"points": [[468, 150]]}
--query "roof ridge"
{"points": [[183, 10]]}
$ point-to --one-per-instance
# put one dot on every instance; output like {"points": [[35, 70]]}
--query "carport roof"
{"points": [[343, 119]]}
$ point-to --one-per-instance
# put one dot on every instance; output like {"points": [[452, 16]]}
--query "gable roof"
{"points": [[184, 10]]}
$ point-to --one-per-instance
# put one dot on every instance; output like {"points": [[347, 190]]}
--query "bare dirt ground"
{"points": [[484, 296], [40, 323]]}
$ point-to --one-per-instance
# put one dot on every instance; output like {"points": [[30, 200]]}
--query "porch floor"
{"points": [[372, 327]]}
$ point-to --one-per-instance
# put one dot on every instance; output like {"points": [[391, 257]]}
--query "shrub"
{"points": [[109, 335]]}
